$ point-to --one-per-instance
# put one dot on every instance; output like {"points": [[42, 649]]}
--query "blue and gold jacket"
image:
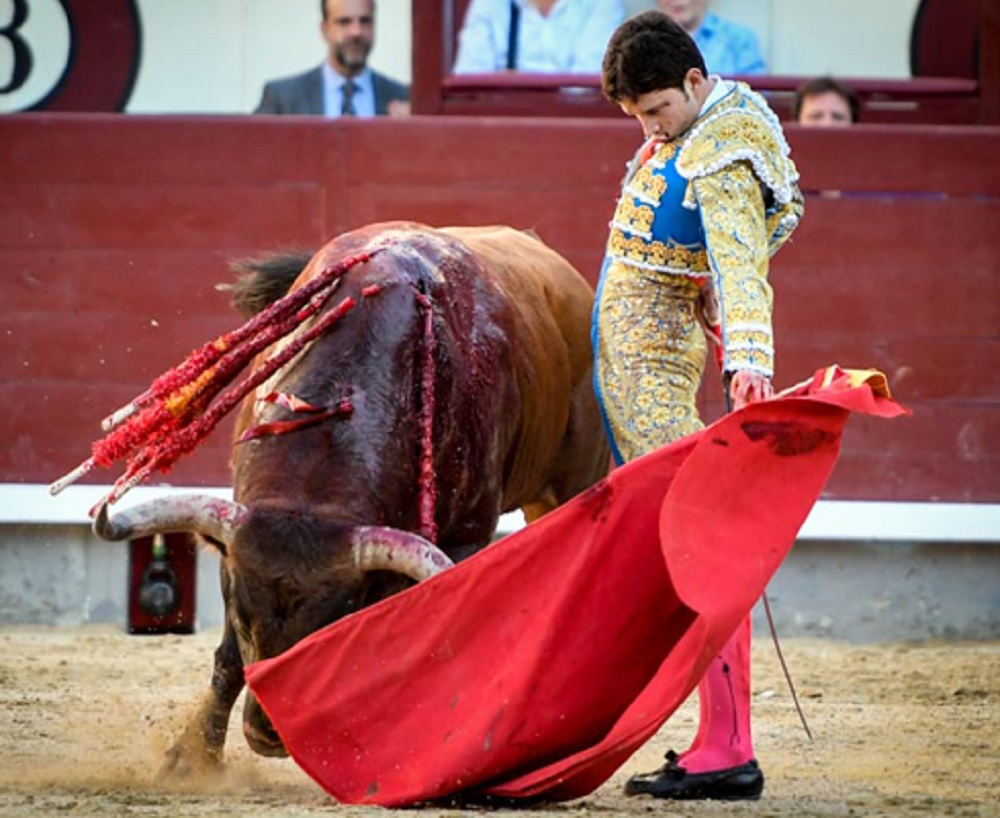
{"points": [[715, 204]]}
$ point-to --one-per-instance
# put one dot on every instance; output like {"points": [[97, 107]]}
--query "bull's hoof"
{"points": [[264, 741], [184, 763]]}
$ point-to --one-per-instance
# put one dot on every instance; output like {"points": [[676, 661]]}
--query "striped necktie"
{"points": [[347, 105]]}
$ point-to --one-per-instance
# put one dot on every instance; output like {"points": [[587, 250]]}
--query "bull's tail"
{"points": [[262, 280]]}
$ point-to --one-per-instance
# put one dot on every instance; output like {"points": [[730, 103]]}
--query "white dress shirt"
{"points": [[570, 40], [333, 92]]}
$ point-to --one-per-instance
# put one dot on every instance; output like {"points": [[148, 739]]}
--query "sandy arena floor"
{"points": [[86, 713]]}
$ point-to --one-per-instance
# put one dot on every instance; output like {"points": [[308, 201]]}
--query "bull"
{"points": [[467, 386]]}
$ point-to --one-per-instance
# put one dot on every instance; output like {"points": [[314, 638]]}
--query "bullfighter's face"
{"points": [[666, 113]]}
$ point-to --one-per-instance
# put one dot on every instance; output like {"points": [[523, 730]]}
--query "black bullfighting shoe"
{"points": [[742, 783]]}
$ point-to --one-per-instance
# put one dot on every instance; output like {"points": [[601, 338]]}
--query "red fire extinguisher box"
{"points": [[162, 579]]}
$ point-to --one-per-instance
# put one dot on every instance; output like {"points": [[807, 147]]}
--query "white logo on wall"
{"points": [[35, 45], [67, 55]]}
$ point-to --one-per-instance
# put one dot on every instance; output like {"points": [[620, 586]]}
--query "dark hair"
{"points": [[646, 53], [322, 7], [824, 85]]}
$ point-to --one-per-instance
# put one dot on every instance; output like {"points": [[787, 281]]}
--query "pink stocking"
{"points": [[723, 739]]}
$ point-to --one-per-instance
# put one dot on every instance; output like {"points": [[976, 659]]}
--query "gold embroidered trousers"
{"points": [[650, 355]]}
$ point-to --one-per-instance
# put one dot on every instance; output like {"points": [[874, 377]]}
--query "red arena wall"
{"points": [[116, 230]]}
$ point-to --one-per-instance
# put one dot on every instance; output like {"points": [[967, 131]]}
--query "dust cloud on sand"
{"points": [[86, 714]]}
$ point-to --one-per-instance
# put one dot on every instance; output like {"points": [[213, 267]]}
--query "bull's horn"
{"points": [[377, 548], [200, 513]]}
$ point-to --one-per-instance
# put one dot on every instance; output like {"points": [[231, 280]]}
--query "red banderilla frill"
{"points": [[174, 414]]}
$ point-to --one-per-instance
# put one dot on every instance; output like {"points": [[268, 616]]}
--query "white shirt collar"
{"points": [[722, 87], [333, 84]]}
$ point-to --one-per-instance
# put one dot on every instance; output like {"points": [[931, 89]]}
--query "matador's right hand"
{"points": [[748, 387]]}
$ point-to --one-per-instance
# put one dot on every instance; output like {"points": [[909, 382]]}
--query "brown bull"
{"points": [[396, 429]]}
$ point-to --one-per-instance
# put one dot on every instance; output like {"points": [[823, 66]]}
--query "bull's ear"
{"points": [[211, 542]]}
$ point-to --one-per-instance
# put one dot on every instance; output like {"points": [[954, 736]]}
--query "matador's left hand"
{"points": [[749, 387]]}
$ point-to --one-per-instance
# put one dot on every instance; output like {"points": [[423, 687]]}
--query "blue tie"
{"points": [[347, 105]]}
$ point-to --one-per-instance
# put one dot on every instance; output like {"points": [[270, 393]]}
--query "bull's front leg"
{"points": [[199, 750]]}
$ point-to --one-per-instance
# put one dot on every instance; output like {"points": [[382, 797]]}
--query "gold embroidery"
{"points": [[633, 217], [736, 130], [650, 350], [649, 373], [664, 153], [732, 208], [648, 186], [657, 254], [782, 222]]}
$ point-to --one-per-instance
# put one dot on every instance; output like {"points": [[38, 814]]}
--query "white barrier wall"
{"points": [[860, 571], [840, 589]]}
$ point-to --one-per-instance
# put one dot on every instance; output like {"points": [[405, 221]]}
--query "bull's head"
{"points": [[283, 576]]}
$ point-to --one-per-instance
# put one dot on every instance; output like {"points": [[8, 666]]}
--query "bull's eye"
{"points": [[244, 643], [238, 622], [243, 632]]}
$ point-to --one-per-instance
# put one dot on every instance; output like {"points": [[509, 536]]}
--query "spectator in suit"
{"points": [[543, 36], [728, 47], [826, 102], [343, 85]]}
